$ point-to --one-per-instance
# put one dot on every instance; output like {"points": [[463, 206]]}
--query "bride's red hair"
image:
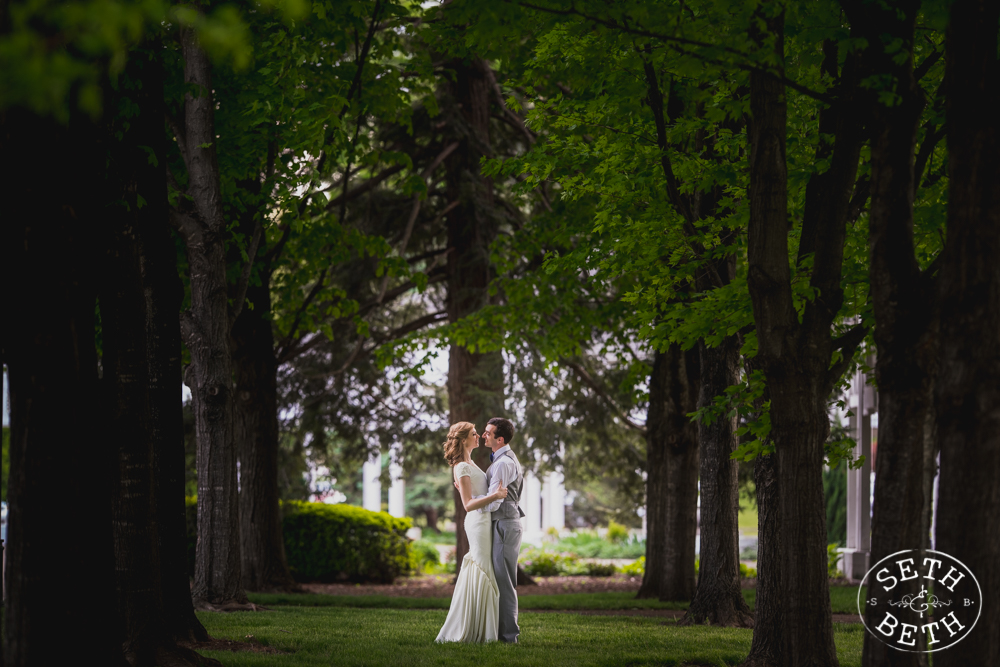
{"points": [[454, 445]]}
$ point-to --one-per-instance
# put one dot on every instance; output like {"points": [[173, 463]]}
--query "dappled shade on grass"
{"points": [[321, 636]]}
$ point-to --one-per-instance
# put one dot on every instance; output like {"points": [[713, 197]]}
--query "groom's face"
{"points": [[491, 439]]}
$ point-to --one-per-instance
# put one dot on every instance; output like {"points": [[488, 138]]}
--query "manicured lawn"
{"points": [[341, 636], [843, 600]]}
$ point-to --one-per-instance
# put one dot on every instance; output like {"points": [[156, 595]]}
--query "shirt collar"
{"points": [[497, 453]]}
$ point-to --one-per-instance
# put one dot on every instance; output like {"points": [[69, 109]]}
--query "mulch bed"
{"points": [[441, 586]]}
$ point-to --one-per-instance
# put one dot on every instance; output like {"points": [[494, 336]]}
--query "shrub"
{"points": [[748, 572], [451, 562], [588, 544], [601, 569], [425, 556], [335, 542], [636, 568], [328, 542], [832, 559], [617, 533], [543, 563]]}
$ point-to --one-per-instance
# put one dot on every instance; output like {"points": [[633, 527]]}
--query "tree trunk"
{"points": [[905, 313], [475, 380], [968, 387], [56, 541], [218, 581], [265, 567], [672, 476], [133, 349], [796, 355], [164, 294], [767, 614], [719, 600]]}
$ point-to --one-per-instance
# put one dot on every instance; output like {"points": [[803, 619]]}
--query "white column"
{"points": [[531, 503], [856, 557], [555, 501], [371, 487], [397, 491]]}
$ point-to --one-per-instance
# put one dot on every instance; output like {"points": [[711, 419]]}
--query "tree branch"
{"points": [[370, 184], [600, 391], [241, 286], [847, 343], [673, 41]]}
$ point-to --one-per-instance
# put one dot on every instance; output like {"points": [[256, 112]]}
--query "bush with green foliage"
{"points": [[637, 568], [617, 533], [335, 542], [426, 557], [545, 563], [542, 563], [832, 560], [588, 544], [747, 572]]}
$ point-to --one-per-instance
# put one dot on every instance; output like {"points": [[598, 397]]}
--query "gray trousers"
{"points": [[506, 545]]}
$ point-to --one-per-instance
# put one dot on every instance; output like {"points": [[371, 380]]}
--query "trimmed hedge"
{"points": [[335, 542]]}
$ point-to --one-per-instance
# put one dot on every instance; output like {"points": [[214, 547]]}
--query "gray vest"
{"points": [[509, 508]]}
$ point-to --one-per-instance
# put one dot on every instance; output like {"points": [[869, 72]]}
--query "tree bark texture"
{"points": [[218, 581], [164, 293], [968, 387], [56, 542], [672, 476], [126, 406], [265, 566], [137, 360], [475, 380], [767, 613], [796, 356], [904, 304], [718, 599]]}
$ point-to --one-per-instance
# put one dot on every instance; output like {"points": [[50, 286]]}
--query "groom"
{"points": [[506, 515]]}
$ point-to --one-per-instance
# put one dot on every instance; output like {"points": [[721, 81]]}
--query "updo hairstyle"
{"points": [[454, 445]]}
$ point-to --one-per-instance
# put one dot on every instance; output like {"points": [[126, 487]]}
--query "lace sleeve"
{"points": [[462, 470]]}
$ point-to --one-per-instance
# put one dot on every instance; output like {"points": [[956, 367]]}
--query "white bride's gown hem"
{"points": [[476, 601]]}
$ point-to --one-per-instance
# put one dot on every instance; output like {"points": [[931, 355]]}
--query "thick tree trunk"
{"points": [[136, 361], [164, 293], [265, 567], [475, 381], [719, 600], [796, 356], [136, 531], [904, 305], [218, 582], [672, 476], [767, 613], [968, 388], [56, 542]]}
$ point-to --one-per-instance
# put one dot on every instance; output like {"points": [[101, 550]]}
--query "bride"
{"points": [[475, 602]]}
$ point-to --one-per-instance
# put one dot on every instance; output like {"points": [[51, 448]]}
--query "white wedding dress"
{"points": [[475, 604]]}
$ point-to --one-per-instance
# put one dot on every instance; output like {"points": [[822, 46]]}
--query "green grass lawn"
{"points": [[843, 600], [341, 636]]}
